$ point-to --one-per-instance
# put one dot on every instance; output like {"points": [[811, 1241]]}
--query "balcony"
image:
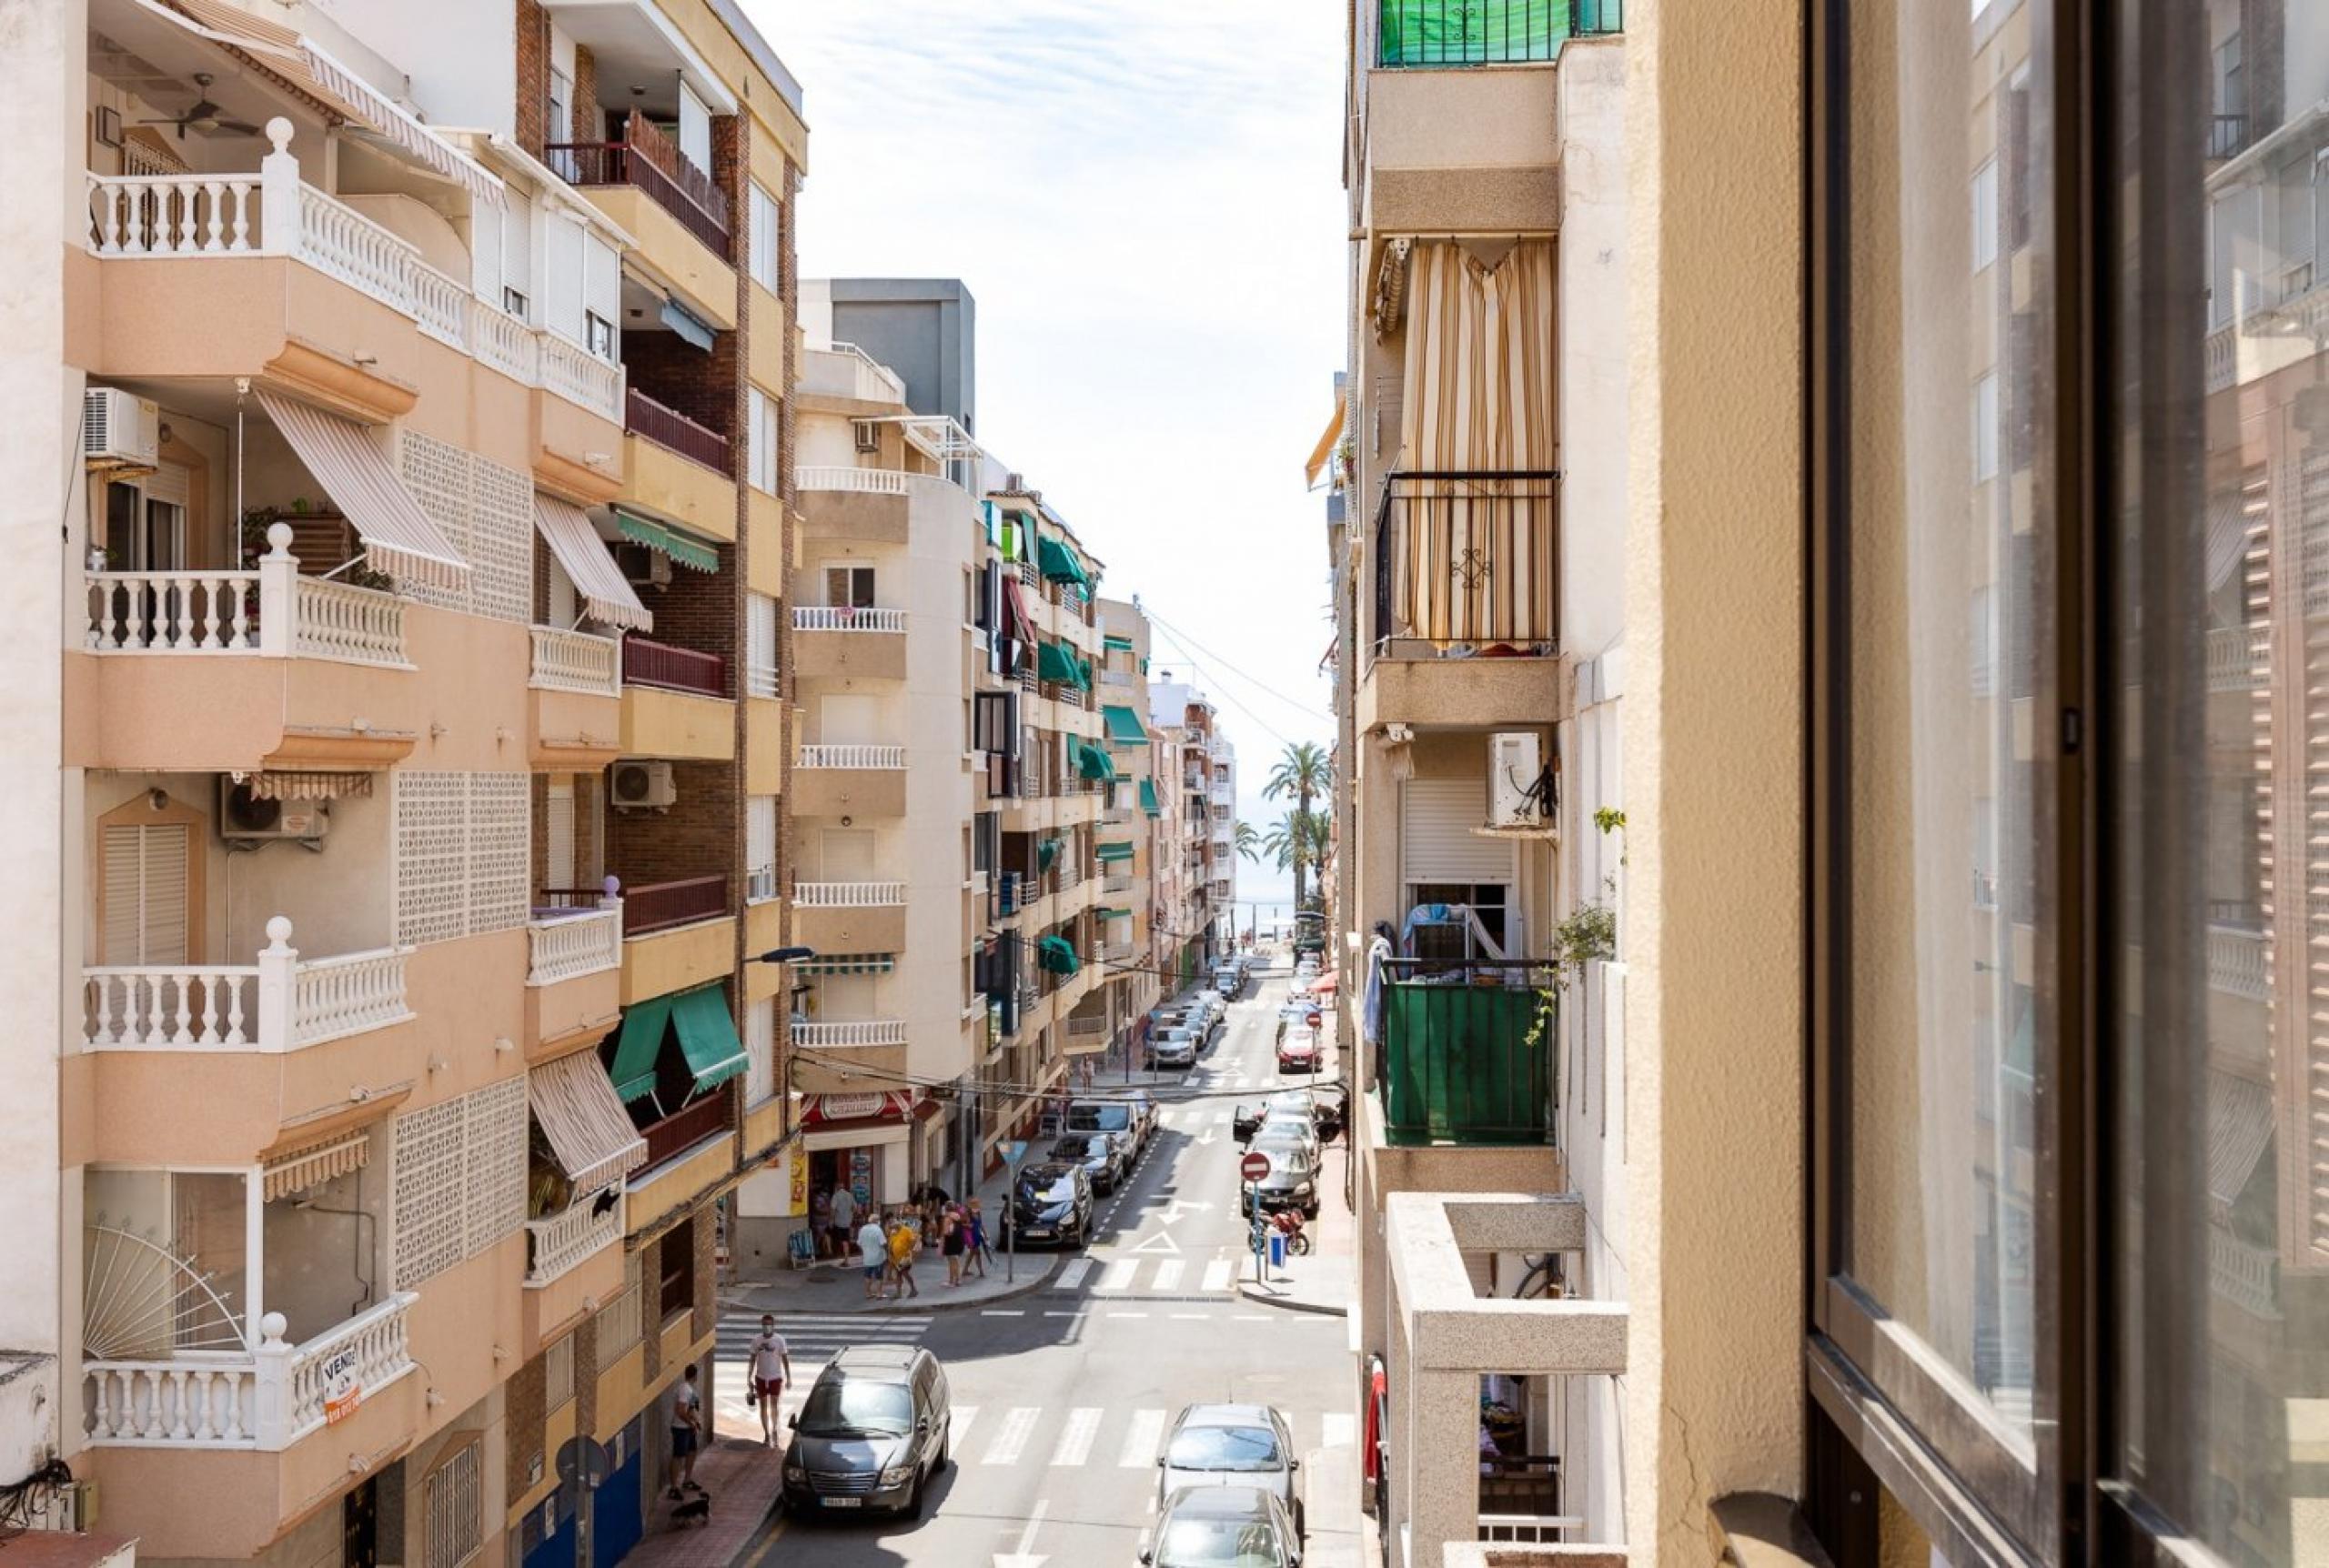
{"points": [[650, 162], [675, 432], [2236, 961], [280, 1004], [1438, 35], [850, 917], [850, 1033], [846, 373], [2246, 1275], [1468, 1057], [264, 1400], [556, 1245], [268, 612], [575, 661], [660, 906], [870, 506], [713, 1116], [669, 669], [850, 781], [564, 945]]}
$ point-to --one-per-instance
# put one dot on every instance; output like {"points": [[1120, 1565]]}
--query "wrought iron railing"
{"points": [[1466, 563], [1467, 1052], [670, 428], [1431, 33], [646, 159], [650, 663]]}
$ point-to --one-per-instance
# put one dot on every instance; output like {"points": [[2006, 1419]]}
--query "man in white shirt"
{"points": [[873, 1254], [771, 1369], [687, 1433], [844, 1218]]}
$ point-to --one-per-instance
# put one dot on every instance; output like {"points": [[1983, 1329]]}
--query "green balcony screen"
{"points": [[1460, 1067], [1451, 32]]}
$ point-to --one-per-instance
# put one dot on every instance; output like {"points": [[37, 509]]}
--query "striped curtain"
{"points": [[1475, 562]]}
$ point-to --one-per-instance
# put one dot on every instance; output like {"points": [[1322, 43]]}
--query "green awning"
{"points": [[1148, 798], [1115, 644], [1058, 562], [1083, 672], [1113, 851], [640, 1043], [1055, 663], [1113, 914], [668, 539], [1046, 853], [1125, 727], [1092, 763], [1057, 954], [707, 1036]]}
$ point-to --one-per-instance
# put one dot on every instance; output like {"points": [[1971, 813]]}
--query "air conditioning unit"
{"points": [[243, 818], [643, 568], [642, 787], [1515, 767], [868, 434], [119, 428]]}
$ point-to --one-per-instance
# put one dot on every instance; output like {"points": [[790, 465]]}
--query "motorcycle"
{"points": [[1288, 1222]]}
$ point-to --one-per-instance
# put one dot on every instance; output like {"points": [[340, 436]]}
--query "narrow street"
{"points": [[1062, 1396]]}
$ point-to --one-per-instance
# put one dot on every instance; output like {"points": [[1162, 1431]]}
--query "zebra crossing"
{"points": [[1153, 1276], [814, 1338], [1086, 1437]]}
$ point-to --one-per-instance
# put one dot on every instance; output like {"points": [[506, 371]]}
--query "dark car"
{"points": [[1245, 1119], [873, 1432], [1051, 1202], [1225, 1527], [1292, 1182], [1103, 1155]]}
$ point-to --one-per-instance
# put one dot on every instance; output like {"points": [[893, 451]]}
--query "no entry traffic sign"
{"points": [[1254, 1167]]}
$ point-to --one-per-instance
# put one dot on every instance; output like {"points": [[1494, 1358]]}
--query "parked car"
{"points": [[1229, 980], [1292, 1181], [1286, 1132], [1173, 1048], [1225, 1527], [1103, 1157], [1052, 1201], [1241, 1445], [1244, 1122], [873, 1431], [1295, 1015], [1121, 1113], [1297, 1051]]}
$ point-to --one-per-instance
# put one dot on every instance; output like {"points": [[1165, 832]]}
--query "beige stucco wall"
{"points": [[1711, 743]]}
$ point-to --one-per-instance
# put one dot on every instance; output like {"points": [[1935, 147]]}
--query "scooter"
{"points": [[1288, 1222]]}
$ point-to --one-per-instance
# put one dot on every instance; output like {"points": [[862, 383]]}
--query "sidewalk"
{"points": [[741, 1477], [839, 1286], [1321, 1281]]}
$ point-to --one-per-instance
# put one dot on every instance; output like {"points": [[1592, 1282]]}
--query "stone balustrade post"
{"points": [[278, 593], [279, 193], [279, 963], [271, 1385]]}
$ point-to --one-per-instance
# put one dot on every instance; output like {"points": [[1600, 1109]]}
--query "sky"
{"points": [[1146, 201]]}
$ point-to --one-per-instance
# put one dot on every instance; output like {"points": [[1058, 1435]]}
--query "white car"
{"points": [[1280, 1130]]}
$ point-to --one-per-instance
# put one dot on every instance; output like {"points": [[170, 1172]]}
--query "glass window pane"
{"points": [[2220, 767], [1950, 553]]}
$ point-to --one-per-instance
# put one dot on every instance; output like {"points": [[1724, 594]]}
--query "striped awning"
{"points": [[589, 1133], [1317, 462], [313, 1164], [668, 541], [606, 593], [349, 464], [846, 964], [298, 61], [2239, 1127], [277, 785]]}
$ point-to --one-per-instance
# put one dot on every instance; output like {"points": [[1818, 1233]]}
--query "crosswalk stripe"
{"points": [[1167, 1275], [1074, 1446], [1338, 1429], [1120, 1275], [1141, 1438], [1072, 1275], [1218, 1275], [958, 1423], [1010, 1441]]}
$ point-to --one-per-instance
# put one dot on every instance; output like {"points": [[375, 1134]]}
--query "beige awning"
{"points": [[277, 785], [589, 1131], [313, 1164], [299, 61], [606, 592], [1324, 449], [2240, 1126], [349, 465]]}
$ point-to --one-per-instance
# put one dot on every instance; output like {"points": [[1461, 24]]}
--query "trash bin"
{"points": [[1278, 1250]]}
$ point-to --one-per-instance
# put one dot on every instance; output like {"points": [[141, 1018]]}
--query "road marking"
{"points": [[1188, 1317], [958, 1424], [1255, 1318], [1141, 1438], [1127, 1314], [1064, 1314], [1219, 1275], [1002, 1313], [1025, 1556], [1338, 1429], [1160, 1242], [1010, 1441], [1119, 1275], [1072, 1275], [1074, 1446], [1167, 1275]]}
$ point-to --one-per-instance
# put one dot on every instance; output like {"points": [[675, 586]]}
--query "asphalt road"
{"points": [[1061, 1397]]}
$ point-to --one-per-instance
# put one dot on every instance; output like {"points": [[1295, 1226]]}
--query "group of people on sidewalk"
{"points": [[886, 1241]]}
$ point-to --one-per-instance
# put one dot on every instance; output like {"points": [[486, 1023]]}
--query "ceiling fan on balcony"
{"points": [[204, 115]]}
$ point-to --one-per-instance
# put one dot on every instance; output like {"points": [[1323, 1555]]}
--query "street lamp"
{"points": [[785, 955]]}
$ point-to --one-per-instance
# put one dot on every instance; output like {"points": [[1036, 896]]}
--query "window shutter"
{"points": [[144, 874], [558, 832], [1436, 843], [760, 1047]]}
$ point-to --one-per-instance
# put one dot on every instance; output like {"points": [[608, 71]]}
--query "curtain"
{"points": [[1475, 563]]}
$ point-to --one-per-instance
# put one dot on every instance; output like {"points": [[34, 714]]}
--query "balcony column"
{"points": [[271, 1386], [1443, 1463], [278, 590], [278, 188], [279, 963]]}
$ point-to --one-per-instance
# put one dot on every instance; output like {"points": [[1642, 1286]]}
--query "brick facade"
{"points": [[693, 839], [706, 1276], [704, 385], [588, 126], [702, 610], [532, 103], [521, 1424]]}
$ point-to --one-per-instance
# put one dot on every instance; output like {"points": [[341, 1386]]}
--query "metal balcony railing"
{"points": [[1467, 1052], [1466, 563], [648, 160], [659, 905], [1438, 33], [674, 431], [650, 663], [683, 1129]]}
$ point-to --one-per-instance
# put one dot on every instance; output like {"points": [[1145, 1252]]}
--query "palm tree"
{"points": [[1297, 842], [1249, 842], [1304, 774]]}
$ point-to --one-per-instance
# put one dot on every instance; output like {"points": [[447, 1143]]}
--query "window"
{"points": [[1985, 426], [766, 237], [760, 1045], [597, 335], [453, 1505], [1985, 215], [557, 1373], [677, 1272], [762, 434], [759, 848], [514, 301], [561, 114], [760, 645], [849, 587]]}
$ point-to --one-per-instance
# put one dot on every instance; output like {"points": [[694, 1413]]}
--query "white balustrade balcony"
{"points": [[265, 1399], [267, 612], [851, 478], [281, 1003], [2237, 962], [564, 947], [1118, 677], [575, 661], [852, 757], [272, 212], [557, 1244], [1116, 882], [851, 1032], [1086, 1027], [2244, 1273], [847, 617], [845, 370], [848, 895]]}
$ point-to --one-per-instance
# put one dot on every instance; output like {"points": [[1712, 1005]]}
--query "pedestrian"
{"points": [[821, 1221], [902, 1249], [979, 1252], [687, 1430], [844, 1219], [955, 1242], [873, 1254], [771, 1369]]}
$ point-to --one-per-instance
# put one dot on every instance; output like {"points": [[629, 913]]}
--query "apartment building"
{"points": [[1475, 534], [1128, 850], [886, 1021], [1201, 838], [409, 721]]}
